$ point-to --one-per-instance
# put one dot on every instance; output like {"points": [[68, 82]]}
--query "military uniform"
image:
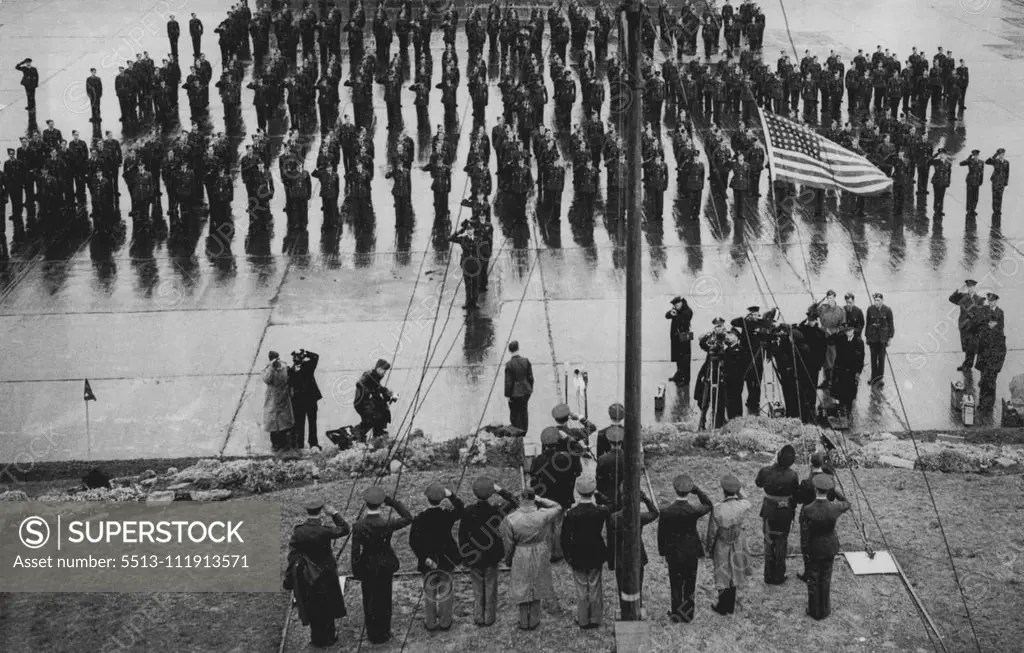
{"points": [[780, 484], [482, 548], [679, 543], [374, 562], [820, 543], [430, 539], [999, 180], [975, 177], [971, 305], [991, 351], [585, 550], [940, 181], [728, 545], [312, 574]]}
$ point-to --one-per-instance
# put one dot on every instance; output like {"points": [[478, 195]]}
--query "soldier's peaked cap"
{"points": [[823, 482], [434, 492], [730, 483], [992, 297], [586, 485], [374, 496], [313, 505], [1001, 151], [682, 483], [561, 411], [970, 283], [549, 435], [718, 320], [483, 487]]}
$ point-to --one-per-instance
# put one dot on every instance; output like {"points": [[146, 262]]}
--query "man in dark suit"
{"points": [[313, 573], [781, 485], [481, 547], [195, 30], [878, 332], [585, 551], [518, 387], [305, 395], [820, 542], [431, 540], [374, 562], [679, 543]]}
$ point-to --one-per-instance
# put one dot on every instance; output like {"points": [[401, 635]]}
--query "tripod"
{"points": [[711, 398]]}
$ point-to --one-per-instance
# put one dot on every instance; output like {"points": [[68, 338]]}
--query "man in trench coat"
{"points": [[728, 544], [277, 405], [313, 573], [526, 534]]}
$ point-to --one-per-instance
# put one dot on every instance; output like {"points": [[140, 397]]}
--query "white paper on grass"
{"points": [[862, 565]]}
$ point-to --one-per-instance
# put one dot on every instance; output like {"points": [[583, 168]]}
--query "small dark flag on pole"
{"points": [[88, 395]]}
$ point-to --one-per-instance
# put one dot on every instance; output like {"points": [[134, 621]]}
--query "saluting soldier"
{"points": [[585, 550], [553, 475], [616, 413], [780, 484], [312, 573], [679, 543], [820, 542], [1000, 178], [970, 303], [728, 544], [526, 534], [482, 548], [941, 178], [975, 177], [878, 332], [374, 562], [431, 541]]}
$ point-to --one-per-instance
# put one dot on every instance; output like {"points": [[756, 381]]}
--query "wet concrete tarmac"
{"points": [[173, 335]]}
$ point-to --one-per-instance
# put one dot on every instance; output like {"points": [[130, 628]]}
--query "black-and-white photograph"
{"points": [[305, 304]]}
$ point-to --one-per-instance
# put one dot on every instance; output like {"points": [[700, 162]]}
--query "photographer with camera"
{"points": [[680, 338], [305, 395], [372, 401], [712, 382], [277, 404], [753, 332]]}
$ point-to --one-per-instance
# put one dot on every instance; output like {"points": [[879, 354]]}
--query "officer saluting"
{"points": [[975, 177], [313, 573], [1000, 178], [970, 304], [482, 549], [679, 543], [374, 562], [431, 540], [820, 543]]}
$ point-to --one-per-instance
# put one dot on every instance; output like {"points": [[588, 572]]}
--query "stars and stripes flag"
{"points": [[801, 156]]}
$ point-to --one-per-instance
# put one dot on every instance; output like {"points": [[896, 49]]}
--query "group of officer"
{"points": [[565, 513], [982, 338], [828, 344]]}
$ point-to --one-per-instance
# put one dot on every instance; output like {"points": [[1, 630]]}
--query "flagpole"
{"points": [[88, 435]]}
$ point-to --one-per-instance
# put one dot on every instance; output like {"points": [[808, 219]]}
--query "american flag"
{"points": [[801, 156]]}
